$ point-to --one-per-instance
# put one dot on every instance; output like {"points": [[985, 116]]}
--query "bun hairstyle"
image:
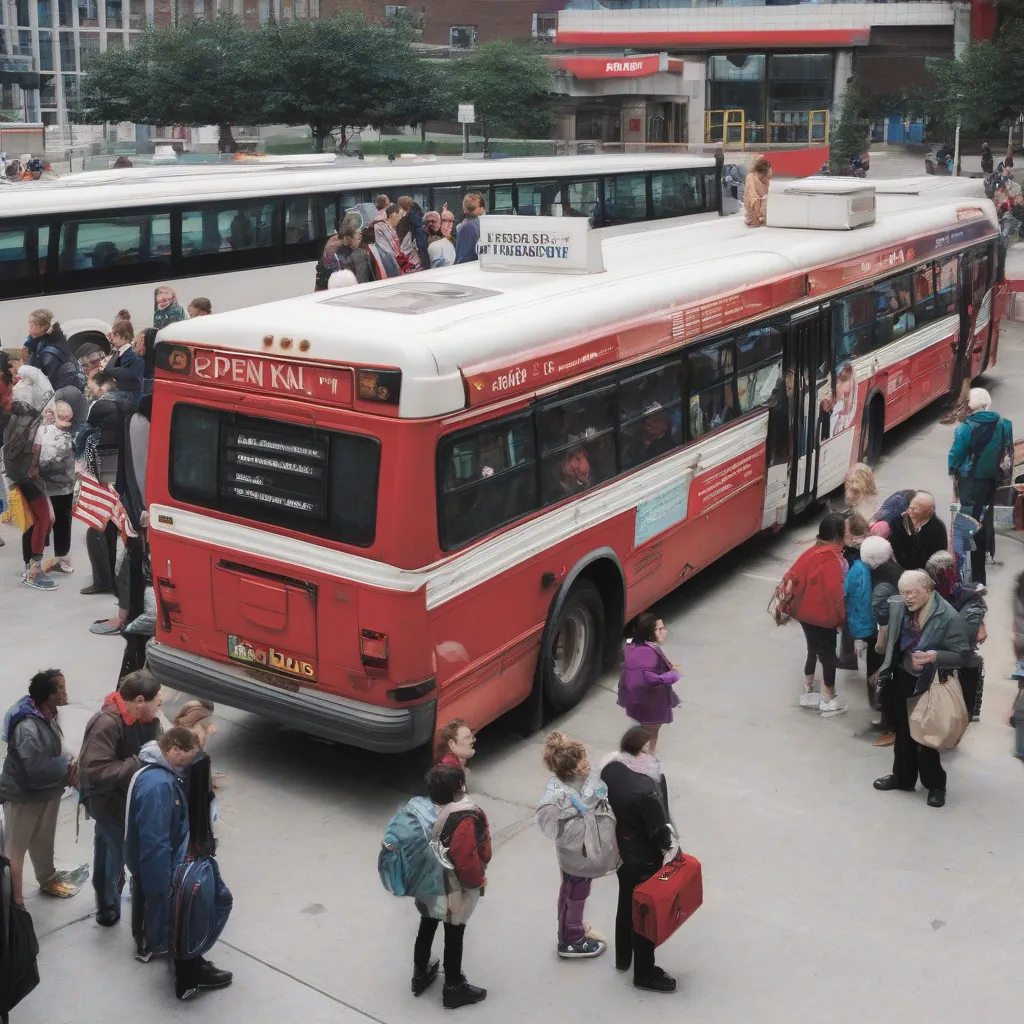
{"points": [[194, 713], [563, 756]]}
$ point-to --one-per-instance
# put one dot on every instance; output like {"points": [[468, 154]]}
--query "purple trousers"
{"points": [[572, 898]]}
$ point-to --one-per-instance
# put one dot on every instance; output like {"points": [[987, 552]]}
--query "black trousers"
{"points": [[102, 548], [135, 585], [821, 646], [874, 662], [972, 682], [630, 947], [454, 936], [909, 759], [976, 497]]}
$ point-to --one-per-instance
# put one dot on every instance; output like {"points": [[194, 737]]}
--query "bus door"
{"points": [[974, 281], [808, 384]]}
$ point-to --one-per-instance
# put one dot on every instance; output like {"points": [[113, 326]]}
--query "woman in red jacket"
{"points": [[814, 586]]}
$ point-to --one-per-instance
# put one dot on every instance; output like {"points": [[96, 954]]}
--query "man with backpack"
{"points": [[980, 461], [437, 851], [156, 847]]}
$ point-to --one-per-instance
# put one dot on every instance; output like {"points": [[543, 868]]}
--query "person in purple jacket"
{"points": [[645, 685]]}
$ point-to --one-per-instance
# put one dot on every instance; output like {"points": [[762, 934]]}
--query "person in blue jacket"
{"points": [[155, 845], [980, 444]]}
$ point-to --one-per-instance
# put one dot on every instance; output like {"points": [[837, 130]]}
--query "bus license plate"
{"points": [[259, 657]]}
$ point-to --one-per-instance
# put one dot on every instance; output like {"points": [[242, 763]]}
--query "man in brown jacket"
{"points": [[108, 759]]}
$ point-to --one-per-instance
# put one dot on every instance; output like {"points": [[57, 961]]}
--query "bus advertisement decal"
{"points": [[332, 385], [265, 657], [712, 487], [667, 508]]}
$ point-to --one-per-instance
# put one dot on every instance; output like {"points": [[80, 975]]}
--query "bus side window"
{"points": [[625, 198], [758, 366], [855, 315], [486, 478], [112, 250], [650, 414], [16, 275], [894, 313], [924, 295], [244, 234], [946, 281], [711, 382], [676, 193], [536, 198], [577, 444]]}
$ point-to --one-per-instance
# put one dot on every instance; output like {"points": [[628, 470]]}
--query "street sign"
{"points": [[467, 115]]}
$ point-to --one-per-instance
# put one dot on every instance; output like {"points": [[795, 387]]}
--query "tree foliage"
{"points": [[850, 131], [509, 85]]}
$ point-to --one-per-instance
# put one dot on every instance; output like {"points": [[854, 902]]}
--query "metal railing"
{"points": [[731, 128]]}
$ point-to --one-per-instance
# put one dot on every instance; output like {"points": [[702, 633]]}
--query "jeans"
{"points": [[630, 947], [454, 935], [108, 864], [572, 898]]}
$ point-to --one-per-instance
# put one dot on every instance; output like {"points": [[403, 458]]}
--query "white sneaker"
{"points": [[811, 699], [831, 708]]}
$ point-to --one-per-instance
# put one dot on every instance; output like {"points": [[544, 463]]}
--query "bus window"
{"points": [[924, 295], [501, 200], [577, 444], [625, 198], [114, 250], [299, 221], [43, 248], [225, 236], [650, 414], [453, 196], [894, 314], [332, 214], [710, 191], [536, 198], [579, 199], [16, 271], [855, 316], [946, 287], [486, 477], [759, 367], [711, 374], [314, 481], [676, 193]]}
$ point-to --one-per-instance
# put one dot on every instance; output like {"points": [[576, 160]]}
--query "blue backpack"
{"points": [[406, 864], [202, 904]]}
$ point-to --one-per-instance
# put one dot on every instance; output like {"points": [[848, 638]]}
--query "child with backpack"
{"points": [[575, 812], [460, 840]]}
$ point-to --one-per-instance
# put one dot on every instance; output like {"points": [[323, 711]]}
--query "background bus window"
{"points": [[676, 193], [226, 236], [946, 287], [894, 313], [759, 367], [300, 228], [924, 295], [453, 196], [577, 444], [711, 376], [17, 275], [855, 317], [331, 217], [711, 187], [536, 198], [501, 200], [114, 250], [579, 199], [625, 198], [650, 414], [308, 480], [486, 478]]}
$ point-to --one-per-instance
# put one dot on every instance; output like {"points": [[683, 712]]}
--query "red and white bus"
{"points": [[375, 509]]}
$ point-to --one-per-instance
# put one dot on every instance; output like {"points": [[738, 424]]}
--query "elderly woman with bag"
{"points": [[926, 641]]}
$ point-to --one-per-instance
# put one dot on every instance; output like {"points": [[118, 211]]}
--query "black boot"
{"points": [[108, 916], [887, 783], [656, 981], [936, 797], [461, 993], [422, 980]]}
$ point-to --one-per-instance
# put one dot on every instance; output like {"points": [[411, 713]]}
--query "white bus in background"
{"points": [[244, 236]]}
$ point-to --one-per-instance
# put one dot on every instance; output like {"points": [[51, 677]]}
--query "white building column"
{"points": [[843, 70]]}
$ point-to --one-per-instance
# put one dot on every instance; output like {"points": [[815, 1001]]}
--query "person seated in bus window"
{"points": [[242, 234], [104, 254], [726, 411], [574, 473], [903, 313], [652, 438]]}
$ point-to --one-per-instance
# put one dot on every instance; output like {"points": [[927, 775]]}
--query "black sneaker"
{"points": [[108, 916], [461, 994], [657, 981], [422, 981], [211, 976]]}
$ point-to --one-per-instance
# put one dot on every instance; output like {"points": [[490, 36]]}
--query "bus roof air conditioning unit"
{"points": [[822, 204]]}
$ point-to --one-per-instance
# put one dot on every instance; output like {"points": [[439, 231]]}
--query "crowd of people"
{"points": [[385, 239], [1005, 193], [888, 580]]}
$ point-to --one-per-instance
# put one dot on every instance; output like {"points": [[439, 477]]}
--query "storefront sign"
{"points": [[633, 66], [274, 376], [551, 245]]}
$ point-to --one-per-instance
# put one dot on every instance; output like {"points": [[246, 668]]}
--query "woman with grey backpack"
{"points": [[575, 812]]}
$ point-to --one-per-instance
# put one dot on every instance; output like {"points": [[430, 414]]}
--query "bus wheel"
{"points": [[874, 429], [574, 658]]}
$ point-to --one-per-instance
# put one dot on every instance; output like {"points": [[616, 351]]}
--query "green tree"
{"points": [[340, 74], [850, 131], [208, 71], [509, 85]]}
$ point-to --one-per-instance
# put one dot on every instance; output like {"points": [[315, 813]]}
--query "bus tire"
{"points": [[573, 660], [874, 431]]}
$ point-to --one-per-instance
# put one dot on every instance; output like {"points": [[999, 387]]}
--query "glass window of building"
{"points": [[136, 13], [89, 46], [462, 37], [115, 41], [88, 14], [114, 14], [68, 55], [736, 81], [45, 51], [797, 84], [64, 15]]}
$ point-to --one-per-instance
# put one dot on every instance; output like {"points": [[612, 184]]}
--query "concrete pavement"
{"points": [[824, 899]]}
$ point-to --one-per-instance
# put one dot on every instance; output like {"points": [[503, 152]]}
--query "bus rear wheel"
{"points": [[574, 657]]}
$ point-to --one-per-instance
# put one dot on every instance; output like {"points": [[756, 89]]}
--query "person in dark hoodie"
{"points": [[156, 843], [108, 760], [638, 794], [34, 775], [49, 351], [980, 444]]}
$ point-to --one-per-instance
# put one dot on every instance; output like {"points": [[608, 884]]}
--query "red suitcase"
{"points": [[667, 898]]}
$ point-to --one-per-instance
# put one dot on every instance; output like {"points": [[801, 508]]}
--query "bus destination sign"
{"points": [[547, 245], [329, 384]]}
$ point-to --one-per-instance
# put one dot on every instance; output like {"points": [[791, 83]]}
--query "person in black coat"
{"points": [[638, 795], [126, 366], [918, 533]]}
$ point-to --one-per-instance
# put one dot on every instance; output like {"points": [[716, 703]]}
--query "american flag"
{"points": [[98, 504]]}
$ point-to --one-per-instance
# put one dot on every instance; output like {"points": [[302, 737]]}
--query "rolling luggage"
{"points": [[667, 898], [19, 972]]}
